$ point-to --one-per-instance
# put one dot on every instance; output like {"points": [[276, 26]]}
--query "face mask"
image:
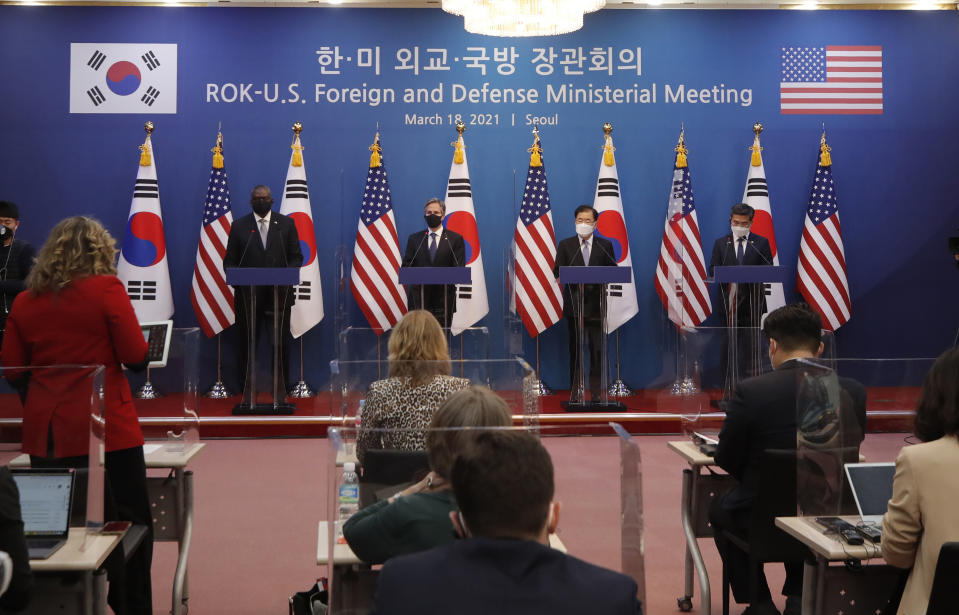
{"points": [[261, 205], [433, 220], [584, 230], [739, 231]]}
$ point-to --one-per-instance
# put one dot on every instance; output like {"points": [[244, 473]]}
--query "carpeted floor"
{"points": [[258, 501]]}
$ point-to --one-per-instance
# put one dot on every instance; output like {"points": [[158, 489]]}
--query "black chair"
{"points": [[385, 468], [944, 597], [767, 543]]}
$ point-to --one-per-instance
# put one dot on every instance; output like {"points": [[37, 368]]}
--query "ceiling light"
{"points": [[522, 17]]}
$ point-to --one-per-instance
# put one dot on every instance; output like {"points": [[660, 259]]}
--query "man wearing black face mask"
{"points": [[435, 247], [16, 260], [263, 238]]}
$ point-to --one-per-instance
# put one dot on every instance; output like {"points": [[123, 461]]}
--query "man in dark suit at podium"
{"points": [[584, 248], [743, 305], [263, 238], [435, 247]]}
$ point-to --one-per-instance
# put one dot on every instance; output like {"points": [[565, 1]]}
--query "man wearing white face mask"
{"points": [[585, 248], [742, 306]]}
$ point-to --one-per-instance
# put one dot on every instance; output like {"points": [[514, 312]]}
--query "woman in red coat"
{"points": [[76, 312]]}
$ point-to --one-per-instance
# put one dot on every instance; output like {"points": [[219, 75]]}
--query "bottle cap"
{"points": [[349, 466]]}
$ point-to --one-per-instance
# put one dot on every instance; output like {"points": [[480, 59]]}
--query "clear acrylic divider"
{"points": [[76, 391], [892, 387], [363, 344], [827, 436], [174, 394], [601, 518]]}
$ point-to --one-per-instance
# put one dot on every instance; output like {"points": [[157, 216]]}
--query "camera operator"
{"points": [[16, 260]]}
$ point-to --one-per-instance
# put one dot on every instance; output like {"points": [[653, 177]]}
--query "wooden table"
{"points": [[82, 554], [831, 589], [699, 488]]}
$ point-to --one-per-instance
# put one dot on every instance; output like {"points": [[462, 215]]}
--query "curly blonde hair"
{"points": [[418, 337], [76, 248]]}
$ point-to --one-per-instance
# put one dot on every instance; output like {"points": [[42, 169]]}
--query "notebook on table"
{"points": [[871, 485], [45, 498]]}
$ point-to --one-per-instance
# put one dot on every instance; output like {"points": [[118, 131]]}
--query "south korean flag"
{"points": [[123, 78]]}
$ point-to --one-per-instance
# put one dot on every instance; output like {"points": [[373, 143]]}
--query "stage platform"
{"points": [[889, 409]]}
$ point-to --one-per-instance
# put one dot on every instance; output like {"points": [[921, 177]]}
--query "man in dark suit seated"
{"points": [[503, 483], [744, 306], [584, 248], [263, 238], [762, 415], [435, 247]]}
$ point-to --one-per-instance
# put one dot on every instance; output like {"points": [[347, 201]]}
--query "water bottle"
{"points": [[349, 491]]}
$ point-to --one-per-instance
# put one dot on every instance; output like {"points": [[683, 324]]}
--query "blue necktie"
{"points": [[739, 249], [432, 247]]}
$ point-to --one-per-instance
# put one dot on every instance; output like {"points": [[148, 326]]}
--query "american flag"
{"points": [[833, 79], [376, 254], [681, 271], [539, 299], [821, 275], [212, 298]]}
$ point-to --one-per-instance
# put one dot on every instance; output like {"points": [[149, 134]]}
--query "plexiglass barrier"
{"points": [[170, 390], [384, 394], [597, 480], [363, 344], [71, 397]]}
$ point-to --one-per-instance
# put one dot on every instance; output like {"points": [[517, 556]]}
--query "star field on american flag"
{"points": [[376, 197], [217, 197], [535, 196], [822, 200], [684, 189], [803, 64]]}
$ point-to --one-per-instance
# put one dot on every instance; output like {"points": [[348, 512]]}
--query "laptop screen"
{"points": [[45, 502], [872, 486]]}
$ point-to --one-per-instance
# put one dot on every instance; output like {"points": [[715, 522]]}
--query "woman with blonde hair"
{"points": [[76, 312], [418, 383], [417, 518]]}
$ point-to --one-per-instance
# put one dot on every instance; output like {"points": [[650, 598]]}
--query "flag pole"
{"points": [[540, 388], [218, 390], [618, 388], [302, 389]]}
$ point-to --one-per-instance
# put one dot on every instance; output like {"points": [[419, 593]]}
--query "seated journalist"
{"points": [[503, 482], [418, 518], [418, 383], [924, 510], [762, 415]]}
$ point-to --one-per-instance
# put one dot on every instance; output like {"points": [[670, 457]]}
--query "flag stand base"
{"points": [[540, 388], [594, 406], [146, 391], [218, 391], [302, 390], [267, 409], [618, 388]]}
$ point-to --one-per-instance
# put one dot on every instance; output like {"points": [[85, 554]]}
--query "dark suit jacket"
{"points": [[450, 252], [505, 577], [244, 248], [756, 252], [762, 415], [569, 254]]}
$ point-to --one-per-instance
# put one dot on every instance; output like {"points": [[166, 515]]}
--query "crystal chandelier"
{"points": [[522, 17]]}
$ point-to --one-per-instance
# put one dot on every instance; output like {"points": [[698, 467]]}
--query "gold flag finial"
{"points": [[680, 149], [824, 158], [756, 159], [535, 152], [145, 148], [608, 149], [458, 143], [218, 151], [375, 159], [297, 160]]}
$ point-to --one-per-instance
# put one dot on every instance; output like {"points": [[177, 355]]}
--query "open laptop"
{"points": [[871, 485], [45, 499]]}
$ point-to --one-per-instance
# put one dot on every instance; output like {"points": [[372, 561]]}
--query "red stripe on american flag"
{"points": [[545, 278], [535, 280], [830, 90], [381, 272], [833, 111], [853, 48], [812, 255]]}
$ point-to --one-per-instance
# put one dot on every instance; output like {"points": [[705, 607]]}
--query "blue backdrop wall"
{"points": [[895, 172]]}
